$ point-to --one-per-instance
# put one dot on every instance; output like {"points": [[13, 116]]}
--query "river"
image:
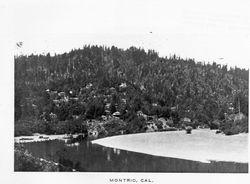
{"points": [[86, 156]]}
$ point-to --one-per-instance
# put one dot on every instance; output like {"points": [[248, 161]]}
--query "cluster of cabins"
{"points": [[152, 122]]}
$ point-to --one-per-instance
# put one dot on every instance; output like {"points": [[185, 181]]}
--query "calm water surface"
{"points": [[87, 157]]}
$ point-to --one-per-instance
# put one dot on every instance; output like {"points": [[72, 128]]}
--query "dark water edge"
{"points": [[88, 157]]}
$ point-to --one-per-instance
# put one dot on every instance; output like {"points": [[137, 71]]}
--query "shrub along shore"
{"points": [[24, 161], [93, 129]]}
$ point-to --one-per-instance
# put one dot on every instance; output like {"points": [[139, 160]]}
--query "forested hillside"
{"points": [[94, 81]]}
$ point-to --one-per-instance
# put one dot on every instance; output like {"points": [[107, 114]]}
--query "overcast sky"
{"points": [[212, 30]]}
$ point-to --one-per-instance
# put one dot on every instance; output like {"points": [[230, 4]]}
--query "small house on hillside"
{"points": [[170, 122], [151, 126], [107, 106], [173, 108], [116, 114], [107, 112], [56, 102], [151, 117], [61, 94], [104, 118], [234, 117], [93, 133], [88, 86], [112, 90], [162, 120], [123, 85], [74, 99], [123, 100], [53, 116], [53, 94], [75, 117], [142, 88], [141, 114], [186, 120], [164, 123]]}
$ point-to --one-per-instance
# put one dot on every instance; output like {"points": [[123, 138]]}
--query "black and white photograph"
{"points": [[136, 87]]}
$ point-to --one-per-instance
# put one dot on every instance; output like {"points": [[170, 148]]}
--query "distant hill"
{"points": [[195, 90]]}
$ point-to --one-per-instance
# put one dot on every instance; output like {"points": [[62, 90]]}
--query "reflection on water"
{"points": [[116, 151], [85, 156]]}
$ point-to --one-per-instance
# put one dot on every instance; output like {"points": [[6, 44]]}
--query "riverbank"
{"points": [[24, 161], [202, 145]]}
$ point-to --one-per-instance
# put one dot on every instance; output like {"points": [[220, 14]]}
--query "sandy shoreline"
{"points": [[202, 145], [41, 137]]}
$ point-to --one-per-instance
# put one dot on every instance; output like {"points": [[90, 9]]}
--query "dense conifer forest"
{"points": [[96, 82]]}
